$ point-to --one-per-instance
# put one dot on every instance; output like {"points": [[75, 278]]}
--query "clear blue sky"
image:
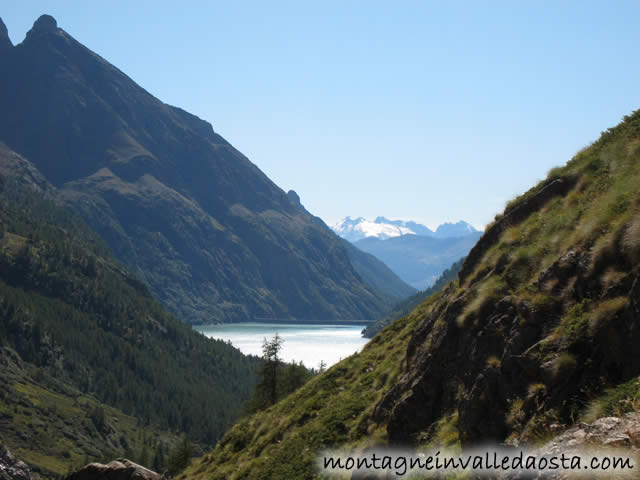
{"points": [[432, 111]]}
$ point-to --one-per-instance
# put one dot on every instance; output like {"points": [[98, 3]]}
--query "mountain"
{"points": [[372, 271], [453, 230], [354, 229], [91, 366], [376, 274], [416, 259], [404, 307], [538, 333], [211, 236]]}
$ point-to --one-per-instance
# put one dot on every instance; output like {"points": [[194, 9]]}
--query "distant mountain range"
{"points": [[414, 252], [354, 229], [416, 259]]}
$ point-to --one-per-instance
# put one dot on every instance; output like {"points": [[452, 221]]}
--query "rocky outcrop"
{"points": [[621, 433], [120, 469], [513, 216], [22, 170], [11, 468], [501, 357], [481, 368]]}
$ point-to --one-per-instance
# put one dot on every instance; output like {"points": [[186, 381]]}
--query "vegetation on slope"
{"points": [[55, 428], [277, 379], [377, 274], [542, 322], [70, 311], [333, 408], [404, 307]]}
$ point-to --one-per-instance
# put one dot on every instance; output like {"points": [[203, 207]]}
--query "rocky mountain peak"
{"points": [[294, 197], [5, 41], [44, 24]]}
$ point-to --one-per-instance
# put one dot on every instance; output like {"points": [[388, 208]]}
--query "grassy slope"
{"points": [[334, 408], [598, 218], [54, 428], [405, 306], [83, 331]]}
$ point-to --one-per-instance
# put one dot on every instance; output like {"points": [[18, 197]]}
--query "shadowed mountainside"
{"points": [[91, 366], [203, 227]]}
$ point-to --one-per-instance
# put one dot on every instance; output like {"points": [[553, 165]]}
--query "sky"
{"points": [[429, 111]]}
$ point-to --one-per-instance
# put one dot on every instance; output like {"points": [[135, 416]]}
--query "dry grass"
{"points": [[489, 291], [631, 239], [604, 312]]}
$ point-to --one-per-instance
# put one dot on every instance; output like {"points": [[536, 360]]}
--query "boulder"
{"points": [[120, 469], [11, 468]]}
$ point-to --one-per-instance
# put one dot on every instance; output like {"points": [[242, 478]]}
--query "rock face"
{"points": [[207, 231], [446, 357], [120, 469], [544, 315], [12, 469], [513, 216], [16, 167], [5, 41], [608, 432]]}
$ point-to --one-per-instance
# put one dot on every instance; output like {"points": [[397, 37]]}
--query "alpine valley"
{"points": [[534, 342], [115, 207], [123, 218]]}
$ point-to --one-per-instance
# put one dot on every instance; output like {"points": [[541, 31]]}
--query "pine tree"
{"points": [[158, 458], [271, 356], [180, 456]]}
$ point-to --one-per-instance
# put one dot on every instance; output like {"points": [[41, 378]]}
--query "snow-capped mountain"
{"points": [[354, 229]]}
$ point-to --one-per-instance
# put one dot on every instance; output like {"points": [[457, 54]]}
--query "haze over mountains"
{"points": [[202, 226], [414, 252]]}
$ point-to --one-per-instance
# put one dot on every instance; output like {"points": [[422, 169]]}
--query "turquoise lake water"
{"points": [[307, 343]]}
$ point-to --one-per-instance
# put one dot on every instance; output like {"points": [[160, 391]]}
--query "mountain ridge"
{"points": [[417, 259], [354, 229], [91, 365], [213, 238]]}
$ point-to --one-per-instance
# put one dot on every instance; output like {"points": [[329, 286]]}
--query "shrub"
{"points": [[615, 401]]}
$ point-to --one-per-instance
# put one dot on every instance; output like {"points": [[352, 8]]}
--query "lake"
{"points": [[309, 343]]}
